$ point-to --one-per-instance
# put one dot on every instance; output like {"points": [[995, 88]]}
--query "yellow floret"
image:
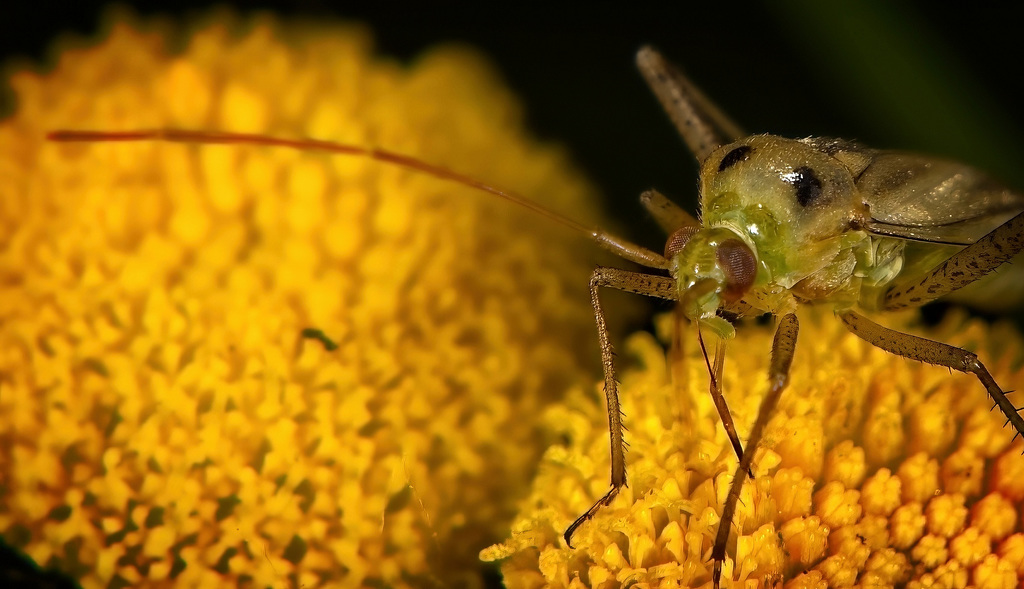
{"points": [[165, 422], [836, 501]]}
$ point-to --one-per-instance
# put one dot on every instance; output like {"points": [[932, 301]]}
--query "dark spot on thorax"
{"points": [[735, 156], [806, 184]]}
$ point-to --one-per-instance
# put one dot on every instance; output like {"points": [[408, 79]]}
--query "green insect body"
{"points": [[824, 221]]}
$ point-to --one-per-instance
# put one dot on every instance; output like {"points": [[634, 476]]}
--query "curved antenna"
{"points": [[703, 126], [612, 243]]}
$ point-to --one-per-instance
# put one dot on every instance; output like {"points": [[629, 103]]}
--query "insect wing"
{"points": [[940, 206], [933, 200]]}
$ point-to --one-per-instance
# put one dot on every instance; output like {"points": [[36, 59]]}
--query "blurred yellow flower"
{"points": [[875, 471], [164, 421]]}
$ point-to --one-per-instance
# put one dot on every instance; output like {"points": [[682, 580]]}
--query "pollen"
{"points": [[246, 366], [852, 496]]}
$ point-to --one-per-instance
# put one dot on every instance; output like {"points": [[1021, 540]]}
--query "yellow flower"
{"points": [[163, 420], [875, 471]]}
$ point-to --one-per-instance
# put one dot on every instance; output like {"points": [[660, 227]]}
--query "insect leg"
{"points": [[668, 214], [677, 350], [719, 399], [715, 389], [963, 267], [644, 284], [783, 347], [932, 352], [703, 125], [719, 361]]}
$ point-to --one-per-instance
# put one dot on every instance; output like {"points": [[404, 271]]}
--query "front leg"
{"points": [[645, 284], [783, 347]]}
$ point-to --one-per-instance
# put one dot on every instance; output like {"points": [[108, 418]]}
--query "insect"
{"points": [[782, 223]]}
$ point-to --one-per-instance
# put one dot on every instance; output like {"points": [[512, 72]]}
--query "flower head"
{"points": [[165, 421], [874, 471]]}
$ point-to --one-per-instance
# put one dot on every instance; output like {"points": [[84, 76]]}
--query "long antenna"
{"points": [[616, 245]]}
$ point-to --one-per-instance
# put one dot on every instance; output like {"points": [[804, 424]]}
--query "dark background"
{"points": [[900, 75]]}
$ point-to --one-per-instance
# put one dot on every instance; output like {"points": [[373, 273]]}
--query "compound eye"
{"points": [[740, 268], [678, 240]]}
